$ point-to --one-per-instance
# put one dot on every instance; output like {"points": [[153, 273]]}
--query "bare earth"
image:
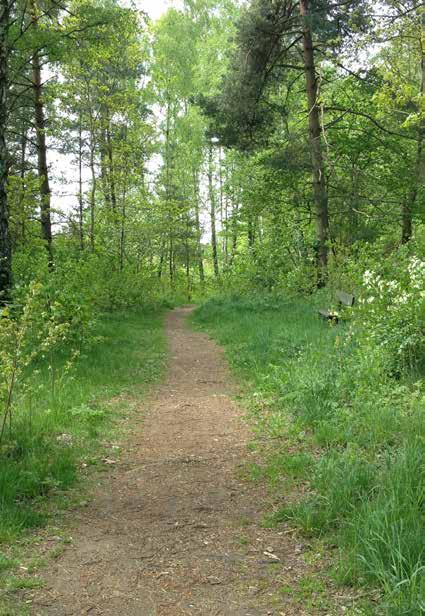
{"points": [[174, 529]]}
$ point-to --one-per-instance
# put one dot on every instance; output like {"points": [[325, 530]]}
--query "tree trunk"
{"points": [[409, 204], [198, 228], [122, 236], [40, 126], [93, 189], [225, 230], [161, 260], [80, 185], [22, 171], [220, 176], [251, 231], [315, 133], [406, 215], [123, 223], [235, 212], [169, 195], [212, 212], [111, 170], [5, 242], [234, 222], [104, 169], [187, 264], [171, 260]]}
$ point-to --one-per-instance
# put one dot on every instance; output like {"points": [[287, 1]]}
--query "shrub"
{"points": [[391, 313]]}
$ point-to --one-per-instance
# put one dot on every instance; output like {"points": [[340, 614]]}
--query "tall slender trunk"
{"points": [[122, 236], [220, 177], [251, 231], [407, 216], [212, 211], [161, 259], [22, 171], [123, 223], [198, 228], [409, 203], [123, 214], [226, 228], [169, 193], [80, 184], [40, 126], [93, 189], [234, 222], [235, 213], [187, 263], [104, 169], [171, 260], [315, 133], [111, 169], [5, 241]]}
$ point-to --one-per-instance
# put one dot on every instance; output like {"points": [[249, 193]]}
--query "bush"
{"points": [[391, 313]]}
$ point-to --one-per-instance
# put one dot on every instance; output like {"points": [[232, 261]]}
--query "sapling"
{"points": [[39, 328], [16, 352]]}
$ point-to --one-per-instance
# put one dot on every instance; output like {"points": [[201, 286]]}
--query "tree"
{"points": [[269, 39], [40, 131], [5, 240], [315, 135]]}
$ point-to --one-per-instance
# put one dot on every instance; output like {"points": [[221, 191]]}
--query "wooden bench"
{"points": [[343, 299]]}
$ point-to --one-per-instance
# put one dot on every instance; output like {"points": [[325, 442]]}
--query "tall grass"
{"points": [[359, 432], [55, 428]]}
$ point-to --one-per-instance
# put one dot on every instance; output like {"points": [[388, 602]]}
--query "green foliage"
{"points": [[52, 435], [196, 123], [353, 425], [392, 311]]}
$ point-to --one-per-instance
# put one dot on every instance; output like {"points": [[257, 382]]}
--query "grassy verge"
{"points": [[351, 435], [57, 433]]}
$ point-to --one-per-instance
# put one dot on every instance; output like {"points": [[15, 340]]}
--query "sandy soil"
{"points": [[174, 529]]}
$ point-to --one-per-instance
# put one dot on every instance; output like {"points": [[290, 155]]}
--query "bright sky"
{"points": [[155, 8]]}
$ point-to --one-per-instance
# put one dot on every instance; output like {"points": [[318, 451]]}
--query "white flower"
{"points": [[367, 277]]}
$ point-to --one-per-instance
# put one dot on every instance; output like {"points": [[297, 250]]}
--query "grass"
{"points": [[55, 433], [338, 425]]}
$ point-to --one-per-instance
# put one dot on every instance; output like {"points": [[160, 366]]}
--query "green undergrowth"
{"points": [[56, 430], [340, 425]]}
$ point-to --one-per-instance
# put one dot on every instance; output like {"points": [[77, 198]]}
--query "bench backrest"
{"points": [[345, 298]]}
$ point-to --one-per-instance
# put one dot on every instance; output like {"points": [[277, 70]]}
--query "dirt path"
{"points": [[174, 529]]}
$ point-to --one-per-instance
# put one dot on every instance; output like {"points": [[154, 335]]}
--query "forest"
{"points": [[255, 159]]}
